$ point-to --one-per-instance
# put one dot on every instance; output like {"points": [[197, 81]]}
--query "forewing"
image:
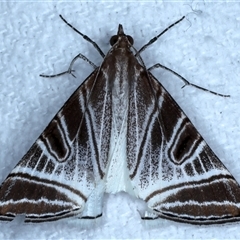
{"points": [[66, 164], [171, 166]]}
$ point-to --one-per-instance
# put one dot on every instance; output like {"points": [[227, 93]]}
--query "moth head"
{"points": [[120, 33]]}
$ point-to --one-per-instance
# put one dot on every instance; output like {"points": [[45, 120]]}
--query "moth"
{"points": [[120, 131]]}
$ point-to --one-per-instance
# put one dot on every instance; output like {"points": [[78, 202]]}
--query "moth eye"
{"points": [[130, 39], [113, 40]]}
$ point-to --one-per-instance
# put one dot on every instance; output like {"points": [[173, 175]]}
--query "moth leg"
{"points": [[70, 70], [187, 83]]}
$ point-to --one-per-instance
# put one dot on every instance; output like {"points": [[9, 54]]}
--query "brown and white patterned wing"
{"points": [[62, 172], [171, 166]]}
